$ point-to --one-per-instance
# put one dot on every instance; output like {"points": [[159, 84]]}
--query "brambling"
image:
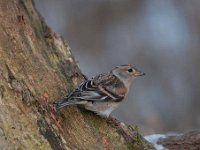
{"points": [[102, 93]]}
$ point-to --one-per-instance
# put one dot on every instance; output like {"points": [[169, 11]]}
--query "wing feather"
{"points": [[100, 88]]}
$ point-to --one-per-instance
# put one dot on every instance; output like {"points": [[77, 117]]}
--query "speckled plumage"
{"points": [[103, 93]]}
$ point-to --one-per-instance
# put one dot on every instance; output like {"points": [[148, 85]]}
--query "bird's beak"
{"points": [[138, 73]]}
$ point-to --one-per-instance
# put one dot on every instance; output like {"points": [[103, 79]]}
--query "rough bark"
{"points": [[36, 66], [188, 141]]}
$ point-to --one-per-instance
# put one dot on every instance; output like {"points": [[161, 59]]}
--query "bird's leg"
{"points": [[57, 121], [113, 121], [52, 113]]}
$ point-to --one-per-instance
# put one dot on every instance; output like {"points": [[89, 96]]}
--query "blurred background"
{"points": [[161, 38]]}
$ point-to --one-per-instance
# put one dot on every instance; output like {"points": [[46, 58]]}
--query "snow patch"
{"points": [[154, 139]]}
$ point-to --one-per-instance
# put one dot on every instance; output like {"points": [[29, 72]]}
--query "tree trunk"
{"points": [[36, 66], [187, 141]]}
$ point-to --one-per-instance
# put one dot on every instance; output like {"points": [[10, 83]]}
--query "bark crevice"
{"points": [[36, 67]]}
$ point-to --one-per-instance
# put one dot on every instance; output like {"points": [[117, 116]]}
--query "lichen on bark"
{"points": [[36, 66]]}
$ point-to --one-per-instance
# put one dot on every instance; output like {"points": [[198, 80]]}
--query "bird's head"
{"points": [[127, 73]]}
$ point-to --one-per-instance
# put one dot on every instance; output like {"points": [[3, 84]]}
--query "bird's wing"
{"points": [[103, 87]]}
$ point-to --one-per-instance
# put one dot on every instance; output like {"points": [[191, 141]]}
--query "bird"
{"points": [[103, 93]]}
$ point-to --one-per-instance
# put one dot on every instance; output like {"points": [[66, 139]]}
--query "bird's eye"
{"points": [[130, 70]]}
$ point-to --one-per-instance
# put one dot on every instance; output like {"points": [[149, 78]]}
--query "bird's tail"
{"points": [[62, 103]]}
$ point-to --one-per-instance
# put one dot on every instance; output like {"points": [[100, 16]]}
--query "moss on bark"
{"points": [[36, 66]]}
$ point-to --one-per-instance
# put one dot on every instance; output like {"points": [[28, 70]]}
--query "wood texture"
{"points": [[187, 141], [36, 66]]}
